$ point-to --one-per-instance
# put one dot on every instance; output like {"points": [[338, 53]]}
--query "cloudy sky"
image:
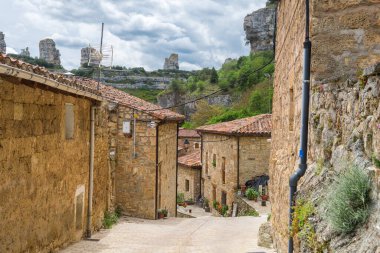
{"points": [[143, 32]]}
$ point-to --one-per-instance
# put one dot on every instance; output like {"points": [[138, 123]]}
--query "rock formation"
{"points": [[89, 55], [259, 28], [3, 46], [171, 63], [48, 52], [25, 52]]}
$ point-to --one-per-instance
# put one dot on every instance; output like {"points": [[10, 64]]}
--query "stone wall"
{"points": [[133, 176], [221, 146], [43, 173], [254, 157], [193, 175], [343, 110], [167, 166], [192, 146]]}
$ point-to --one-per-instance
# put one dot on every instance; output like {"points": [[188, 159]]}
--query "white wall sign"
{"points": [[126, 127]]}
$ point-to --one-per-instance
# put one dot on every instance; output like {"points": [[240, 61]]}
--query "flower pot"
{"points": [[263, 203], [264, 197], [207, 209], [161, 215]]}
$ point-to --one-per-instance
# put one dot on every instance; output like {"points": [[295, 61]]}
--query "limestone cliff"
{"points": [[259, 28], [48, 52], [171, 63], [3, 46]]}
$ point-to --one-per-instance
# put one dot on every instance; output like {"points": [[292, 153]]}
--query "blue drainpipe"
{"points": [[295, 177]]}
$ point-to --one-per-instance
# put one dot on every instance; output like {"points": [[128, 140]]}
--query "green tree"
{"points": [[214, 76]]}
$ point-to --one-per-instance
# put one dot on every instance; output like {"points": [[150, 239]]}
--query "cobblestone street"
{"points": [[175, 235]]}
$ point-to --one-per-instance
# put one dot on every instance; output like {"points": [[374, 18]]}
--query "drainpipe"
{"points": [[156, 197], [200, 176], [176, 172], [238, 162], [295, 177], [91, 172]]}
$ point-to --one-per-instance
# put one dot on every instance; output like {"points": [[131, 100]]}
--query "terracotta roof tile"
{"points": [[90, 85], [191, 160], [188, 133], [41, 71], [256, 125]]}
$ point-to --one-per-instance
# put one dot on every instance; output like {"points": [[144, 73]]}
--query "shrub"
{"points": [[223, 210], [251, 213], [348, 200], [251, 193], [180, 198], [110, 218]]}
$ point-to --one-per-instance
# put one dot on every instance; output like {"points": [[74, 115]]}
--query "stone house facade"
{"points": [[344, 112], [189, 175], [232, 153], [189, 141], [143, 154], [45, 150]]}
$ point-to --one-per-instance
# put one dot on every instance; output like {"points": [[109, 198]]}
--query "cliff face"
{"points": [[259, 28], [3, 46], [171, 63], [48, 52]]}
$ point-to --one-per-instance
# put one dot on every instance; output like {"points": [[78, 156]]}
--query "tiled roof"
{"points": [[191, 160], [90, 86], [123, 98], [188, 133], [257, 125], [44, 73]]}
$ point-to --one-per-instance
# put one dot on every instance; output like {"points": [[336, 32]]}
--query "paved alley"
{"points": [[177, 235]]}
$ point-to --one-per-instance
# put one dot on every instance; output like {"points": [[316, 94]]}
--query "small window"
{"points": [[206, 167], [69, 121], [224, 198], [196, 145], [223, 170], [213, 192], [214, 160], [187, 185]]}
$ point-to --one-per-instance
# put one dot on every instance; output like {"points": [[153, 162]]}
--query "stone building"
{"points": [[189, 175], [48, 52], [143, 149], [259, 28], [45, 129], [3, 46], [188, 141], [232, 153], [171, 63], [344, 113]]}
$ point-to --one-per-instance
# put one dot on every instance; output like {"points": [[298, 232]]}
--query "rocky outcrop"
{"points": [[3, 46], [89, 56], [25, 52], [259, 28], [171, 63], [49, 53]]}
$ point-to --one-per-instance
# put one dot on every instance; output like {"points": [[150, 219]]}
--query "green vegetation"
{"points": [[36, 61], [111, 218], [180, 197], [303, 228], [348, 200], [251, 213], [251, 194], [148, 95], [376, 161]]}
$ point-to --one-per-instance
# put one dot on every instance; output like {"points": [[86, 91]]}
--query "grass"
{"points": [[111, 218], [148, 95], [348, 200], [251, 213]]}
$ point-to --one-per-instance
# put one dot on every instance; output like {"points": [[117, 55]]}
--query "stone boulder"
{"points": [[265, 236]]}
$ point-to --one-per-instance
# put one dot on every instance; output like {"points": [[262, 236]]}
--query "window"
{"points": [[213, 192], [291, 109], [69, 121], [214, 160], [224, 198], [223, 170], [187, 185], [196, 145]]}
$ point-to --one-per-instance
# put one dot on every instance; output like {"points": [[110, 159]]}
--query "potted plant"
{"points": [[189, 201], [264, 197], [180, 199], [252, 194], [164, 212], [160, 214], [206, 205]]}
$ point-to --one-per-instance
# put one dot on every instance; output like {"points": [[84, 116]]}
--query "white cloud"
{"points": [[143, 32]]}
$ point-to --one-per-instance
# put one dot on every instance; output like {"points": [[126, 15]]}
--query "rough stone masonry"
{"points": [[48, 52], [3, 46], [344, 112]]}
